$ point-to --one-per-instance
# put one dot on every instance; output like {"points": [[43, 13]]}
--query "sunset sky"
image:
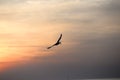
{"points": [[90, 44]]}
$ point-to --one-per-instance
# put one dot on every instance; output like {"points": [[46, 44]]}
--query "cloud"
{"points": [[111, 10], [3, 2]]}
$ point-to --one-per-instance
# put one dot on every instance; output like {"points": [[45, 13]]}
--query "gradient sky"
{"points": [[90, 44]]}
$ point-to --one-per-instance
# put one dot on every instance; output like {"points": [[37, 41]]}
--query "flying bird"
{"points": [[57, 43]]}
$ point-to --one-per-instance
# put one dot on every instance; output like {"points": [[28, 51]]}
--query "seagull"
{"points": [[57, 43]]}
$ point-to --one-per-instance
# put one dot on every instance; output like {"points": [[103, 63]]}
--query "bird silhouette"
{"points": [[57, 43]]}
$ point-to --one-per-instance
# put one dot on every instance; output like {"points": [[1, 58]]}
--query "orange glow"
{"points": [[6, 65], [19, 44]]}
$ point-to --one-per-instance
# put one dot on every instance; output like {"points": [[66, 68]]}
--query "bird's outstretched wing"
{"points": [[59, 38], [50, 47]]}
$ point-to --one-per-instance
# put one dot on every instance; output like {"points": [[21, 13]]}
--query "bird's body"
{"points": [[57, 43]]}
